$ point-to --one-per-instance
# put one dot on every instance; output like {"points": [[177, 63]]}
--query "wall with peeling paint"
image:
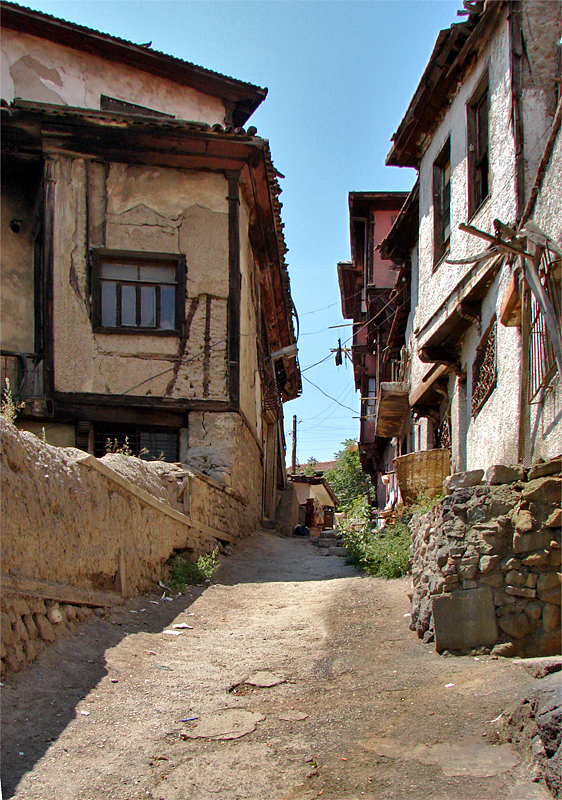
{"points": [[146, 210], [46, 72], [489, 437]]}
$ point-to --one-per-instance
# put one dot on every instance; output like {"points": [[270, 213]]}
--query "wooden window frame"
{"points": [[103, 256], [478, 146], [442, 203]]}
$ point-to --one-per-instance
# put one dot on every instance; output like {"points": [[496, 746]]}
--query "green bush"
{"points": [[184, 572], [381, 553]]}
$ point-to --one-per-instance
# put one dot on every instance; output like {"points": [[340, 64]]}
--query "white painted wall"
{"points": [[46, 72]]}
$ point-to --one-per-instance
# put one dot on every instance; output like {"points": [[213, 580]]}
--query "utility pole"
{"points": [[294, 458]]}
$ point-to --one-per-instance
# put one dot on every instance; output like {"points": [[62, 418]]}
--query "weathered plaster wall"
{"points": [[46, 72], [141, 209], [19, 195], [545, 417], [69, 524], [250, 398]]}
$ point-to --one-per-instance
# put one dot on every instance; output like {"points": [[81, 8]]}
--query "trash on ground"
{"points": [[181, 625]]}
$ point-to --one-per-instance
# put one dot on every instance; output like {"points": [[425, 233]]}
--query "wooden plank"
{"points": [[60, 592]]}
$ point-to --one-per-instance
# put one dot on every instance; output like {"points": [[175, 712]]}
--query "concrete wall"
{"points": [[46, 72], [91, 530]]}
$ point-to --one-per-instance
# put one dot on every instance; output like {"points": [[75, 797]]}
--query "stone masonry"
{"points": [[486, 564]]}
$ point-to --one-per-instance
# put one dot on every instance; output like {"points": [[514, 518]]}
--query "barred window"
{"points": [[542, 364], [484, 370]]}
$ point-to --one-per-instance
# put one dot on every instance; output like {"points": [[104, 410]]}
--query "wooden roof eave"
{"points": [[437, 85], [243, 98]]}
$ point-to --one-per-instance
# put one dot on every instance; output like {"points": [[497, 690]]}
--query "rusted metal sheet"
{"points": [[391, 409]]}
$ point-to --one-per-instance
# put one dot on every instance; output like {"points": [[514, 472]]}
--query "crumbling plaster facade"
{"points": [[489, 437], [47, 72]]}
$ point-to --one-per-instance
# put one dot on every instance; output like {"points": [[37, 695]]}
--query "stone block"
{"points": [[7, 634], [337, 551], [555, 555], [488, 563], [505, 650], [538, 559], [555, 519], [515, 578], [516, 625], [551, 617], [465, 619], [547, 581], [532, 579], [20, 606], [462, 480], [533, 610], [467, 573], [521, 591], [44, 628], [523, 521], [552, 467], [494, 580], [20, 630], [511, 563], [529, 542], [31, 626], [469, 584], [544, 490], [502, 473]]}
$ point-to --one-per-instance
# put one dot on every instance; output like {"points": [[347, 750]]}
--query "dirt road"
{"points": [[353, 705]]}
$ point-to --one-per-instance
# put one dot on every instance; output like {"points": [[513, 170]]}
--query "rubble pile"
{"points": [[486, 563]]}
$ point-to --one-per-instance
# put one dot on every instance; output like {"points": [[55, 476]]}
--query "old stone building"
{"points": [[145, 294]]}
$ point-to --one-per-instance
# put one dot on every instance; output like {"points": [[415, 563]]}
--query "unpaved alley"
{"points": [[291, 676]]}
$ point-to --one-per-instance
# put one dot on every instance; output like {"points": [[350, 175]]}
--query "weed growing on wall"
{"points": [[184, 572], [9, 409]]}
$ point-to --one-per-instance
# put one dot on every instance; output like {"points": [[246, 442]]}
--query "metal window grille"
{"points": [[484, 371], [542, 364]]}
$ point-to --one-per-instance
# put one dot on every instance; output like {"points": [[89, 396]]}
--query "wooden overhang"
{"points": [[402, 237], [323, 489], [391, 409], [361, 207], [440, 337], [35, 129], [427, 396], [452, 55], [350, 282], [241, 99]]}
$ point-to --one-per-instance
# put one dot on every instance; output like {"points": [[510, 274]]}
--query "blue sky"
{"points": [[340, 75]]}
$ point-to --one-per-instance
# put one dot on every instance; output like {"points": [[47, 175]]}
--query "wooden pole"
{"points": [[294, 455]]}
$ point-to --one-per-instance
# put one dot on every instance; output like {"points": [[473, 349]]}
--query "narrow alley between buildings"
{"points": [[291, 676]]}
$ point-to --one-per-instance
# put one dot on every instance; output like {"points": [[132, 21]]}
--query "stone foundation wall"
{"points": [[80, 533], [486, 565]]}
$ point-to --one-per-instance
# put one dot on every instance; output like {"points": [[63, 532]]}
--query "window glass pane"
{"points": [[158, 274], [128, 305], [122, 272], [148, 306], [167, 308], [108, 304]]}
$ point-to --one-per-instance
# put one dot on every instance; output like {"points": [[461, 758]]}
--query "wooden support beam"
{"points": [[60, 592]]}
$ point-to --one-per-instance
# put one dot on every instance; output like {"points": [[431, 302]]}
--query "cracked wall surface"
{"points": [[47, 72]]}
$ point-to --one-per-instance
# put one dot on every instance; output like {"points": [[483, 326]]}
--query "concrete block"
{"points": [[503, 473], [464, 619], [462, 480]]}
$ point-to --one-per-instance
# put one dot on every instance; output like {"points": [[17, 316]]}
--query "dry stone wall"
{"points": [[80, 533], [486, 565]]}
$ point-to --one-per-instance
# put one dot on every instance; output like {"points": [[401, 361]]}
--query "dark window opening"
{"points": [[442, 202], [484, 371], [138, 292], [542, 363], [150, 444], [478, 138]]}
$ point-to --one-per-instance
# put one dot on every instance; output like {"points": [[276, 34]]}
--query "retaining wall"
{"points": [[80, 533], [486, 569]]}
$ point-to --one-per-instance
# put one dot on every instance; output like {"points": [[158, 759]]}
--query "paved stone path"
{"points": [[292, 676]]}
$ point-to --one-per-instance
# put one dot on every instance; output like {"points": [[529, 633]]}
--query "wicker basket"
{"points": [[423, 471]]}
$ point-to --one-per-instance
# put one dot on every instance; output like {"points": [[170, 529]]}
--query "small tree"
{"points": [[346, 478], [310, 466]]}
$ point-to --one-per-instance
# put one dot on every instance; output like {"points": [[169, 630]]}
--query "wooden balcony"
{"points": [[391, 409]]}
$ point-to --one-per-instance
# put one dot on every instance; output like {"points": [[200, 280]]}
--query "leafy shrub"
{"points": [[184, 572], [381, 553]]}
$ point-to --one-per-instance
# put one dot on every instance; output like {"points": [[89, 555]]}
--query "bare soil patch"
{"points": [[298, 679]]}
